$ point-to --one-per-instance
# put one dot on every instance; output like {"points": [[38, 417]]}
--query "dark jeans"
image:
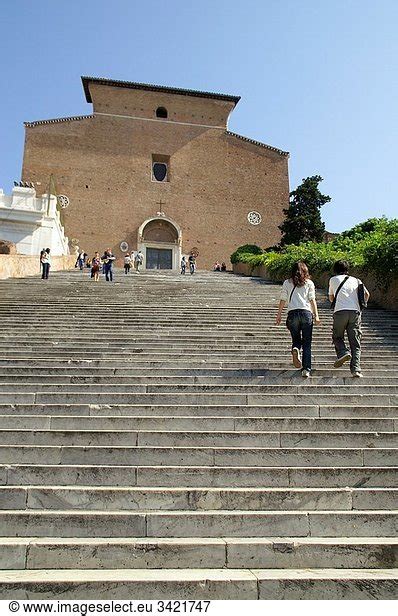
{"points": [[300, 324], [127, 268], [108, 273], [348, 321], [45, 270]]}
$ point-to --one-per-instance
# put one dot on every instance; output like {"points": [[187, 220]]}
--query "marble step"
{"points": [[219, 523], [198, 553], [200, 584], [176, 423], [198, 399], [196, 456], [19, 474], [208, 438], [146, 374], [195, 499], [54, 381], [243, 411]]}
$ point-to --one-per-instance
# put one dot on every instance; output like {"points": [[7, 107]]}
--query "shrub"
{"points": [[246, 249]]}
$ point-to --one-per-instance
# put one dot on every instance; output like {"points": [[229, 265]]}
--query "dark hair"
{"points": [[48, 251], [300, 273], [340, 267]]}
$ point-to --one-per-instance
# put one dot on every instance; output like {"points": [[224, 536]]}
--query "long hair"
{"points": [[299, 273]]}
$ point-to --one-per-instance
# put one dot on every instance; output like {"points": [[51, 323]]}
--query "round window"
{"points": [[159, 171], [254, 218]]}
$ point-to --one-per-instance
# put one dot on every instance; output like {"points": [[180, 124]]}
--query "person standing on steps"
{"points": [[192, 263], [43, 250], [46, 264], [348, 295], [95, 266], [108, 259], [298, 292], [127, 263], [138, 261], [183, 265]]}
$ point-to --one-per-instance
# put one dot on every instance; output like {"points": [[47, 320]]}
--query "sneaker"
{"points": [[305, 373], [296, 358], [357, 375], [341, 360]]}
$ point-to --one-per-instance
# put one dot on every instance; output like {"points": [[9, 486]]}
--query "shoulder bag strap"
{"points": [[339, 287], [290, 298]]}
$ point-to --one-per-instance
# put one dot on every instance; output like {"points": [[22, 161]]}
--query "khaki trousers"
{"points": [[348, 321]]}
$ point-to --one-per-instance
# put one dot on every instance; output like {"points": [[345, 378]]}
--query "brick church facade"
{"points": [[157, 168]]}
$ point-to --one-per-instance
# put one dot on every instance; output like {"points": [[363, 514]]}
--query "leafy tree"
{"points": [[303, 216]]}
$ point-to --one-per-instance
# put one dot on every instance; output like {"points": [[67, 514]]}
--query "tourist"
{"points": [[298, 292], [45, 263], [183, 265], [127, 263], [223, 267], [95, 266], [81, 260], [138, 261], [192, 263], [43, 250], [348, 296], [108, 259], [216, 267]]}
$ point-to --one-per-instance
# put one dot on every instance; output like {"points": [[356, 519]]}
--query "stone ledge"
{"points": [[21, 266]]}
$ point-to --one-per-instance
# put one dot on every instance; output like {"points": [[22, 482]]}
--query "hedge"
{"points": [[371, 246]]}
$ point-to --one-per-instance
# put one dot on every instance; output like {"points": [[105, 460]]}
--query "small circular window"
{"points": [[161, 112], [254, 218], [159, 171]]}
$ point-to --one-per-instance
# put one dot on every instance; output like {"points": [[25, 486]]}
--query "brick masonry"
{"points": [[103, 163]]}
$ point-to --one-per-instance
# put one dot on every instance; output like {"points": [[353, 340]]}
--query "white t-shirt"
{"points": [[301, 296], [347, 298]]}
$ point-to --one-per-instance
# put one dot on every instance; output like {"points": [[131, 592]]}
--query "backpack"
{"points": [[361, 296]]}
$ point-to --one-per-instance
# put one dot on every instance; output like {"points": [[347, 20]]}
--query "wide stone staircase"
{"points": [[157, 442]]}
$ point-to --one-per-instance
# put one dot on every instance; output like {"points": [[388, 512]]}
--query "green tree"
{"points": [[303, 216]]}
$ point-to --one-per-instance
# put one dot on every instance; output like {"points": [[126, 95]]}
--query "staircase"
{"points": [[156, 442]]}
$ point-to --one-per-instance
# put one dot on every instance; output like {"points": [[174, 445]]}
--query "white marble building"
{"points": [[31, 222]]}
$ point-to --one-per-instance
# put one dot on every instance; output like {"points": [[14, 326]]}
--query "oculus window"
{"points": [[160, 168]]}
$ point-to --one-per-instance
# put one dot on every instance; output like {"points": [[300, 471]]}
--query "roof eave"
{"points": [[154, 88]]}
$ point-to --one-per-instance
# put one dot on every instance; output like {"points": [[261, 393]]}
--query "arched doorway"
{"points": [[159, 239]]}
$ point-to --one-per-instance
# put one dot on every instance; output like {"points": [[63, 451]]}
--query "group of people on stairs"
{"points": [[348, 296]]}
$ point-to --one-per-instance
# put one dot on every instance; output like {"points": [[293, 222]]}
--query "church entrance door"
{"points": [[159, 240], [159, 258]]}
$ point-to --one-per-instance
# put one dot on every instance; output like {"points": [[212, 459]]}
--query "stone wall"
{"points": [[21, 266], [385, 297]]}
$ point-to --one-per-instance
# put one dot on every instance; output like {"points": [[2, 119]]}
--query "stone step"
{"points": [[197, 476], [196, 499], [196, 456], [175, 423], [298, 411], [147, 374], [219, 523], [198, 399], [198, 553], [55, 382], [199, 584], [135, 438], [135, 363]]}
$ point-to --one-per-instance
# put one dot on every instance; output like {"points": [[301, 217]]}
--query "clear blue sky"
{"points": [[318, 78]]}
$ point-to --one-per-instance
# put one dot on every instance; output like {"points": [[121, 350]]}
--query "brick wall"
{"points": [[103, 163]]}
